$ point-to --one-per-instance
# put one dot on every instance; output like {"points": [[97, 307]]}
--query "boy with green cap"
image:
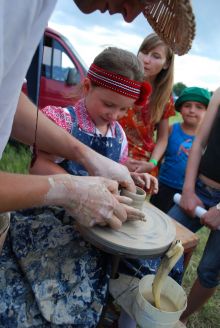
{"points": [[192, 104]]}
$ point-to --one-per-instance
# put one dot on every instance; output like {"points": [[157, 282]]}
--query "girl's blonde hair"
{"points": [[163, 84]]}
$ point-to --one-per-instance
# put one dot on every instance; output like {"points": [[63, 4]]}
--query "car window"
{"points": [[56, 61]]}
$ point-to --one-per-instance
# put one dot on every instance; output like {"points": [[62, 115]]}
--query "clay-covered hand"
{"points": [[211, 218], [102, 166], [189, 201], [90, 200], [132, 213], [147, 181]]}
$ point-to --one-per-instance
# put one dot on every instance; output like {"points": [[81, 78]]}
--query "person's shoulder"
{"points": [[51, 108], [175, 128], [59, 115]]}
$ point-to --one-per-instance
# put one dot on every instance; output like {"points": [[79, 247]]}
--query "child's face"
{"points": [[154, 61], [105, 106], [193, 112]]}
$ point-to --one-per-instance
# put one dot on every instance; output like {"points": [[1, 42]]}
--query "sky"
{"points": [[90, 34]]}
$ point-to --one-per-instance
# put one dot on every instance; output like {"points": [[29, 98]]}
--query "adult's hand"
{"points": [[90, 200], [189, 201], [98, 165], [211, 218], [132, 213]]}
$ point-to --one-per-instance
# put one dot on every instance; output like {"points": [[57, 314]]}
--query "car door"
{"points": [[61, 73]]}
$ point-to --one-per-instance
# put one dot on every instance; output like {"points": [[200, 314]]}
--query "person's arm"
{"points": [[162, 140], [159, 149], [45, 165], [211, 218], [90, 200], [189, 200], [55, 140]]}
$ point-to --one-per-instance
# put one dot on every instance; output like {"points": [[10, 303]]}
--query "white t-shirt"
{"points": [[22, 24]]}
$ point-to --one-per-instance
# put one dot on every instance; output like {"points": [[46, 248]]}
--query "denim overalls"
{"points": [[107, 146]]}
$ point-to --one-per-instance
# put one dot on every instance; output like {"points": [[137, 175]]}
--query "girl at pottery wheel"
{"points": [[94, 121], [53, 277]]}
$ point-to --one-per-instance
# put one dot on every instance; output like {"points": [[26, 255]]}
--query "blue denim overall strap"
{"points": [[107, 146]]}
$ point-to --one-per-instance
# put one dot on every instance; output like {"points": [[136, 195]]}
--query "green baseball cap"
{"points": [[193, 94]]}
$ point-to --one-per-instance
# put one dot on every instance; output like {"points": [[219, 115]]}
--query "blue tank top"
{"points": [[107, 146], [172, 170]]}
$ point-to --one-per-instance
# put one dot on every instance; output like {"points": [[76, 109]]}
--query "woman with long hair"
{"points": [[140, 124]]}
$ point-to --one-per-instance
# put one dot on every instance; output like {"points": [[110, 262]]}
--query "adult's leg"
{"points": [[208, 276]]}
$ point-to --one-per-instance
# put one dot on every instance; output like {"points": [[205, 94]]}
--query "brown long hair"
{"points": [[163, 83]]}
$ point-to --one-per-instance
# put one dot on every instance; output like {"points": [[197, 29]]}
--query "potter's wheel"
{"points": [[135, 238]]}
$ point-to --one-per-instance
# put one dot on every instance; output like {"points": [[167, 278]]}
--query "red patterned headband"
{"points": [[120, 84]]}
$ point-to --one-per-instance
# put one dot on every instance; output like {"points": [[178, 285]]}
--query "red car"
{"points": [[61, 72]]}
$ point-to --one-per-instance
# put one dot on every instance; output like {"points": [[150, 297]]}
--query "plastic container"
{"points": [[148, 316]]}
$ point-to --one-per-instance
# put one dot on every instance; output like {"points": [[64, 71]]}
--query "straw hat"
{"points": [[173, 21]]}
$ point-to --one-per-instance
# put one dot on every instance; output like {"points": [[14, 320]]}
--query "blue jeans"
{"points": [[209, 266]]}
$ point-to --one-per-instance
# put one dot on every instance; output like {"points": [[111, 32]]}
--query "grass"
{"points": [[16, 158]]}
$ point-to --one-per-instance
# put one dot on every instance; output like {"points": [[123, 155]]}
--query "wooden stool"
{"points": [[188, 239]]}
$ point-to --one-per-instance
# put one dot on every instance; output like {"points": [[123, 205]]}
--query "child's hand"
{"points": [[135, 165], [143, 166], [146, 180]]}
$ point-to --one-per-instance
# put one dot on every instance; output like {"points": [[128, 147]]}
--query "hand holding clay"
{"points": [[98, 165], [146, 180], [138, 199], [89, 200], [132, 212]]}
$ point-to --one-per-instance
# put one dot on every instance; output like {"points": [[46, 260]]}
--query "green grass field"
{"points": [[18, 159]]}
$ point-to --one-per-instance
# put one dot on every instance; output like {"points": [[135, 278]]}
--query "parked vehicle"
{"points": [[61, 72]]}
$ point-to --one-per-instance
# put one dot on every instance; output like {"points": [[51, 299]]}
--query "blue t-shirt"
{"points": [[172, 170]]}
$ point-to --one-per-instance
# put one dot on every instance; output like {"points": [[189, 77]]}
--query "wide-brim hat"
{"points": [[197, 94], [173, 21]]}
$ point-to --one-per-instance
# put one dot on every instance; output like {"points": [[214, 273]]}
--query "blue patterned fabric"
{"points": [[107, 146], [49, 276]]}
